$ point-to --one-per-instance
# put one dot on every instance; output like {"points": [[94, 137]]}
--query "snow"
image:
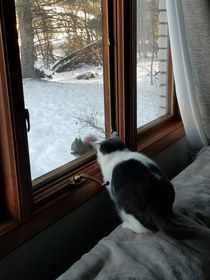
{"points": [[147, 94], [57, 107]]}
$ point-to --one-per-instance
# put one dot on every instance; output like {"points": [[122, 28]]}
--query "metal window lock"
{"points": [[77, 179], [27, 118]]}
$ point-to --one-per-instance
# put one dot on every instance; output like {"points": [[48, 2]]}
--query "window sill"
{"points": [[7, 226], [155, 139], [47, 214]]}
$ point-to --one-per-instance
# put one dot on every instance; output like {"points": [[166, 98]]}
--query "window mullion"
{"points": [[121, 68], [130, 73], [107, 99], [123, 46], [113, 74]]}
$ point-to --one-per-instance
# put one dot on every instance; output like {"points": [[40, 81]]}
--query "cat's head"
{"points": [[109, 146]]}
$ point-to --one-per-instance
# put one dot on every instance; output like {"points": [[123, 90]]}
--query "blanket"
{"points": [[126, 255]]}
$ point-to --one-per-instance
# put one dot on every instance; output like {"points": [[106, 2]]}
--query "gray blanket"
{"points": [[126, 255]]}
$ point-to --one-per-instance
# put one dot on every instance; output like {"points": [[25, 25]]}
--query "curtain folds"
{"points": [[189, 31]]}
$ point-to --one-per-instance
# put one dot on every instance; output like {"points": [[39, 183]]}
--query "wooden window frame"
{"points": [[27, 213], [155, 136], [122, 64]]}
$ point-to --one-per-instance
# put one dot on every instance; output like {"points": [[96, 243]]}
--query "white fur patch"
{"points": [[109, 161], [130, 222], [158, 177]]}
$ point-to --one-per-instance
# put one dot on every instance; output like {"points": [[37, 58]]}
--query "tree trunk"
{"points": [[86, 29], [151, 67], [27, 38]]}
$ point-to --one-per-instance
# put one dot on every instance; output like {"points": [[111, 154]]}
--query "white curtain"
{"points": [[184, 80]]}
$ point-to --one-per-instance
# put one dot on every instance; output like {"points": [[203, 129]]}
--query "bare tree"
{"points": [[147, 30], [154, 23]]}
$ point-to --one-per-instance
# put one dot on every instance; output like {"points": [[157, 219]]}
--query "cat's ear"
{"points": [[114, 134]]}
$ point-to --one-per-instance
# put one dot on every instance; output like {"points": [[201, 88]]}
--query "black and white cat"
{"points": [[143, 195]]}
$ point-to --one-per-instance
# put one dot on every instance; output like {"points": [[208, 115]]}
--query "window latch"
{"points": [[27, 118], [77, 179]]}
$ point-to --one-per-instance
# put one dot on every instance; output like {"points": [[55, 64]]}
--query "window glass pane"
{"points": [[62, 69], [152, 61]]}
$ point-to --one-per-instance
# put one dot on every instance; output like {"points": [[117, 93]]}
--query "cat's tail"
{"points": [[179, 227]]}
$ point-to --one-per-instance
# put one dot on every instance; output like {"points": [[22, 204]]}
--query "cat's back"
{"points": [[139, 186], [121, 158], [135, 169]]}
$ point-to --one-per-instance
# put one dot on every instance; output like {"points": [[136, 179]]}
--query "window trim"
{"points": [[157, 138], [57, 198], [122, 15], [11, 203], [62, 187]]}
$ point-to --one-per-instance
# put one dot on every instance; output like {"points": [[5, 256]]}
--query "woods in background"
{"points": [[62, 32], [50, 29]]}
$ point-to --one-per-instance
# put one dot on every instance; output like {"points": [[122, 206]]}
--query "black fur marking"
{"points": [[140, 192], [112, 145]]}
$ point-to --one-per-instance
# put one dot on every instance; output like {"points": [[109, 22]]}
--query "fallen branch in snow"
{"points": [[91, 54]]}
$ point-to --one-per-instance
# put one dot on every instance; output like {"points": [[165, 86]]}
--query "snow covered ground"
{"points": [[147, 94], [62, 107]]}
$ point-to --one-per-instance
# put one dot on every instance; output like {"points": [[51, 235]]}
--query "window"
{"points": [[157, 110], [62, 68], [152, 61], [31, 209]]}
